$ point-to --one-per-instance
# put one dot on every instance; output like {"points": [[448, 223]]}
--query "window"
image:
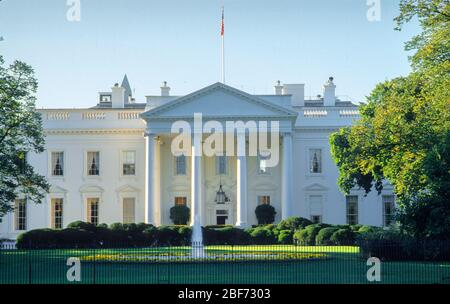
{"points": [[315, 160], [57, 163], [352, 209], [180, 165], [57, 213], [388, 209], [20, 214], [93, 163], [129, 163], [263, 200], [180, 201], [316, 219], [221, 165], [262, 164], [316, 207], [92, 210], [128, 210]]}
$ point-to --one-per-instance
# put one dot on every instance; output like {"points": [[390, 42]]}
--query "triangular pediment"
{"points": [[127, 188], [316, 187], [57, 189], [219, 100], [91, 188]]}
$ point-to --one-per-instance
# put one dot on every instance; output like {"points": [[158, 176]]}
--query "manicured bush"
{"points": [[324, 235], [180, 214], [168, 236], [293, 223], [149, 235], [38, 238], [285, 237], [82, 225], [343, 237], [307, 236], [265, 214], [367, 228], [262, 236], [185, 233]]}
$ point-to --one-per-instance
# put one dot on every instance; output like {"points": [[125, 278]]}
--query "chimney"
{"points": [[329, 90], [297, 90], [165, 90], [117, 96], [278, 88]]}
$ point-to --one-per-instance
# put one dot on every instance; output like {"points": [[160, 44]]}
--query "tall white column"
{"points": [[150, 178], [287, 176], [241, 199], [196, 179]]}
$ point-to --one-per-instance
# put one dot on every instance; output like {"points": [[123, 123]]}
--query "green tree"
{"points": [[180, 214], [20, 134], [403, 135], [265, 214]]}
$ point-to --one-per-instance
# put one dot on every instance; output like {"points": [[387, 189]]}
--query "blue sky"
{"points": [[297, 41]]}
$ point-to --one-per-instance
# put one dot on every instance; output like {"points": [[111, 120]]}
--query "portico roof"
{"points": [[219, 101]]}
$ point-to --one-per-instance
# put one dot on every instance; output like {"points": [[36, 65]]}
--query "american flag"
{"points": [[222, 29]]}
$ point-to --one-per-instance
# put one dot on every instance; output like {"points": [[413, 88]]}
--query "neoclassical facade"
{"points": [[115, 162]]}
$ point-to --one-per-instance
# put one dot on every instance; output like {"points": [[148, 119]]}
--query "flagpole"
{"points": [[223, 47]]}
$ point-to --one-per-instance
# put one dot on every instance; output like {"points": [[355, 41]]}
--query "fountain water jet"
{"points": [[197, 250]]}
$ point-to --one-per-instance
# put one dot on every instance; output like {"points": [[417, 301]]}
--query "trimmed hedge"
{"points": [[343, 237], [307, 236], [324, 236], [292, 230], [394, 245]]}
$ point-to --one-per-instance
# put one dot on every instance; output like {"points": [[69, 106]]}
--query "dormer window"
{"points": [[105, 98]]}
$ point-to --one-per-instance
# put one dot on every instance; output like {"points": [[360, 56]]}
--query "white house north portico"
{"points": [[221, 104], [115, 162]]}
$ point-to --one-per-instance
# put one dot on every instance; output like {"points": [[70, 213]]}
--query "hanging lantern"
{"points": [[221, 197]]}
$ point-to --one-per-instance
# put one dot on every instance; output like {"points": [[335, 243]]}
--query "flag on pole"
{"points": [[222, 29]]}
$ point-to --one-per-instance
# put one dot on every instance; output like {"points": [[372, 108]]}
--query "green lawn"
{"points": [[342, 265]]}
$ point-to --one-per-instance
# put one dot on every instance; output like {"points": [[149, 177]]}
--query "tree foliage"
{"points": [[403, 135], [20, 134]]}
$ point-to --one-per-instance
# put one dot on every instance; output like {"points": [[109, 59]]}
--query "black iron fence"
{"points": [[222, 264]]}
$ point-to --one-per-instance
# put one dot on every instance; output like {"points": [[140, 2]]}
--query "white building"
{"points": [[113, 162]]}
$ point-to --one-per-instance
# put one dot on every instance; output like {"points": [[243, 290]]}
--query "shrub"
{"points": [[343, 237], [307, 236], [168, 236], [324, 235], [82, 225], [185, 233], [285, 237], [262, 236], [149, 235], [38, 238], [367, 228], [265, 214], [293, 223], [180, 214]]}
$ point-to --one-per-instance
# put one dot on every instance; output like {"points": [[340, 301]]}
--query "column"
{"points": [[241, 178], [157, 214], [287, 176], [149, 178], [196, 179]]}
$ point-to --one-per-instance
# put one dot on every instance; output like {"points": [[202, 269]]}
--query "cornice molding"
{"points": [[94, 131]]}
